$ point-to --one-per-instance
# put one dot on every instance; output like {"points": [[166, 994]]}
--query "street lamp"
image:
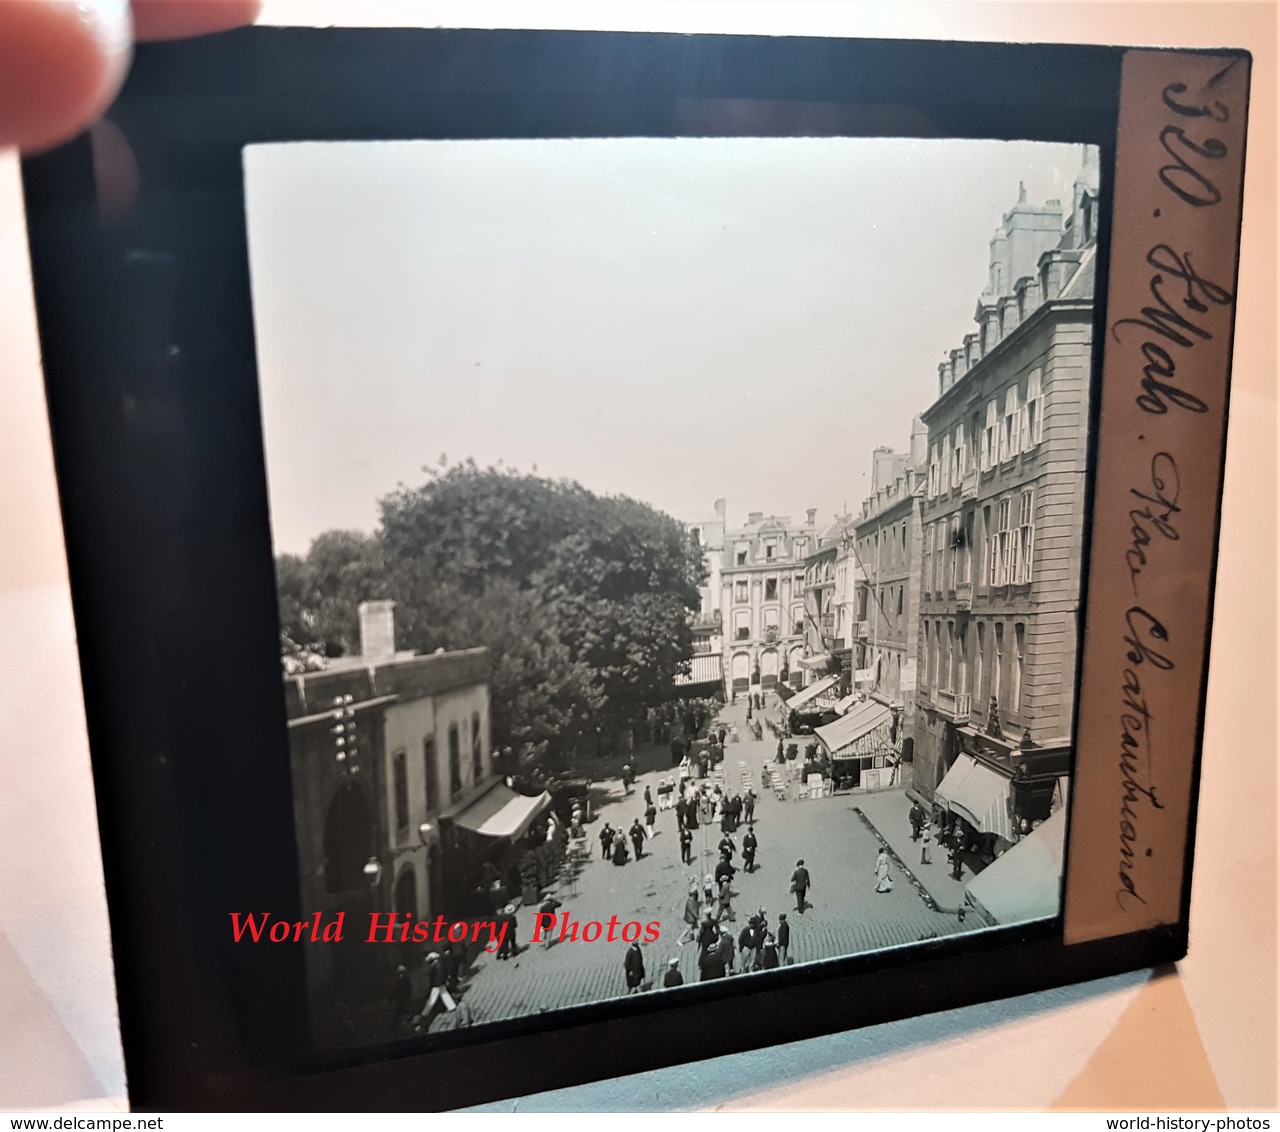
{"points": [[372, 871]]}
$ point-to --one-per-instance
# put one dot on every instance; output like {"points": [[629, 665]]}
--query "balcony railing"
{"points": [[955, 704], [964, 596], [969, 485]]}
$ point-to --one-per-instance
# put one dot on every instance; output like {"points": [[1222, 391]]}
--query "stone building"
{"points": [[1003, 518], [886, 545], [761, 600], [826, 642], [396, 803]]}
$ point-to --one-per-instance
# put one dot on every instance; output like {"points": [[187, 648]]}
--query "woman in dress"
{"points": [[884, 882]]}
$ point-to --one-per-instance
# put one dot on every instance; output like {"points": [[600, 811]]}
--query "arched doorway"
{"points": [[348, 841], [741, 672], [768, 668]]}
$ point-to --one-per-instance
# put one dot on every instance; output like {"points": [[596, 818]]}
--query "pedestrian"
{"points": [[708, 934], [633, 967], [747, 944], [650, 816], [749, 806], [884, 880], [673, 977], [548, 908], [780, 754], [926, 840], [606, 841], [648, 797], [401, 996], [800, 885], [723, 734], [726, 951], [727, 847], [439, 993], [724, 870], [507, 948], [749, 844], [686, 846], [783, 937], [726, 896], [957, 860], [677, 749], [637, 838], [628, 777], [620, 856], [917, 819], [692, 913], [710, 961], [769, 954], [681, 808]]}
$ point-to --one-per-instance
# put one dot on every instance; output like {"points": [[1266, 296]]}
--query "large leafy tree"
{"points": [[582, 600]]}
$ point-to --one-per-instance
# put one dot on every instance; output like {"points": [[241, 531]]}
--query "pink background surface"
{"points": [[1202, 1037]]}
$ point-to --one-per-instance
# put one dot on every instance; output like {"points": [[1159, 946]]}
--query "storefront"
{"points": [[483, 842], [862, 748]]}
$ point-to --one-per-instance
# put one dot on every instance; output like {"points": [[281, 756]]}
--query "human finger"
{"points": [[61, 64]]}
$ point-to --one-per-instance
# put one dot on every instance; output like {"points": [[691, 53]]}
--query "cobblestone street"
{"points": [[845, 915]]}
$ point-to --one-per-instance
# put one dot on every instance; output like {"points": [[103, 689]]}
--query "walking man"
{"points": [[749, 851], [800, 885], [686, 846], [726, 907], [917, 819], [650, 816], [692, 913], [606, 841], [749, 806], [637, 838], [784, 938]]}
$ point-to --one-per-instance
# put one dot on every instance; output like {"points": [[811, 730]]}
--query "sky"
{"points": [[677, 320]]}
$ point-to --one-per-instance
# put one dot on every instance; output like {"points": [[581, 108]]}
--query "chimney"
{"points": [[377, 631], [919, 443], [720, 509], [810, 516]]}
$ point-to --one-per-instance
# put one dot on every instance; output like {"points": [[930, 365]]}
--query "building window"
{"points": [[960, 458], [429, 771], [977, 664], [771, 616], [802, 545], [953, 551], [937, 654], [768, 551], [948, 656], [1010, 430], [932, 487], [1026, 534], [1004, 548], [939, 549], [990, 447], [741, 556], [455, 762], [944, 461], [741, 624], [997, 666], [962, 659], [1015, 695], [797, 584], [928, 656], [477, 749], [771, 589], [900, 589], [741, 592], [1033, 413], [400, 776]]}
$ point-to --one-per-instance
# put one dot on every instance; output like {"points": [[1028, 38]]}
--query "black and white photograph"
{"points": [[679, 549]]}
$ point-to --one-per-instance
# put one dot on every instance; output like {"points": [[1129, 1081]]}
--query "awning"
{"points": [[816, 663], [842, 706], [1025, 882], [501, 812], [979, 795], [708, 668], [858, 724], [812, 692]]}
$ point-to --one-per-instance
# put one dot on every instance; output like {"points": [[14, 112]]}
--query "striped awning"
{"points": [[813, 692], [707, 668], [1024, 883], [501, 812], [979, 795]]}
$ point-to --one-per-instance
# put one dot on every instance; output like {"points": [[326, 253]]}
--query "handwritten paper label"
{"points": [[1170, 313]]}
